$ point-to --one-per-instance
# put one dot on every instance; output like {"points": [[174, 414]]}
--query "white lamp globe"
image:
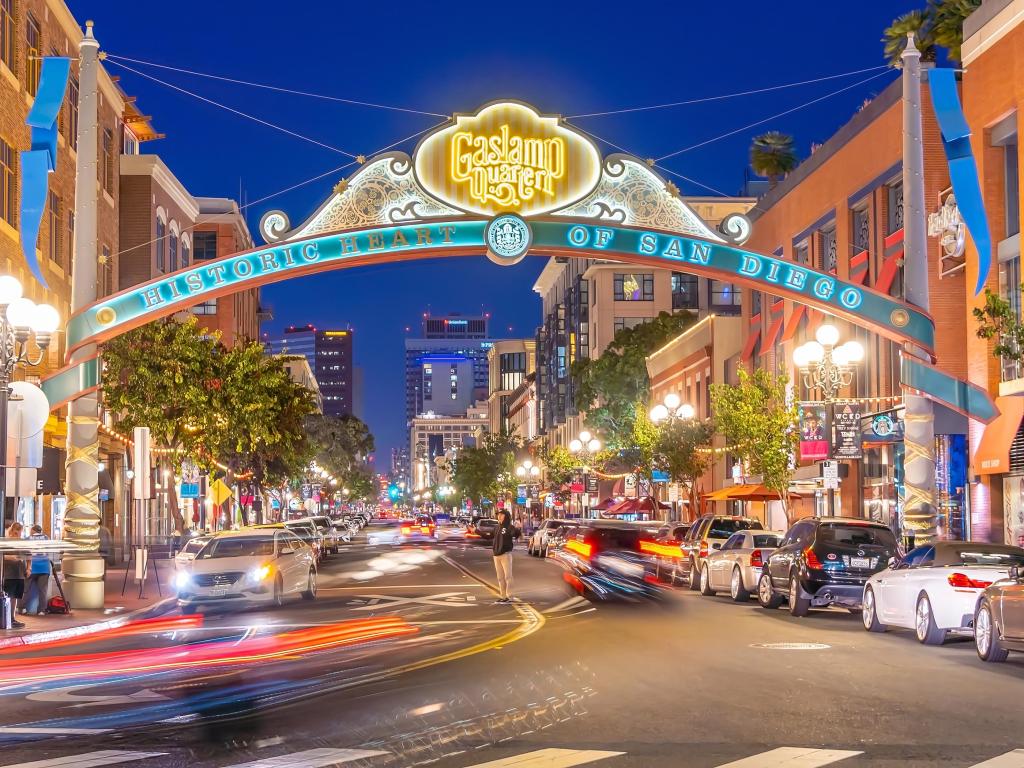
{"points": [[534, 471], [46, 319], [672, 401], [594, 445], [800, 358], [10, 289], [685, 411], [585, 436], [527, 463], [839, 356], [827, 335], [521, 471], [814, 351], [576, 446], [21, 313], [854, 351], [659, 413]]}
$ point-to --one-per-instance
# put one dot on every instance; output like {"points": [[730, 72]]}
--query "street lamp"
{"points": [[825, 365], [584, 447], [671, 407], [528, 468]]}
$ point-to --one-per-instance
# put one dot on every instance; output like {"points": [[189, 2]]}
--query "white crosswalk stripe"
{"points": [[549, 758], [1014, 759], [572, 602], [311, 758], [89, 759], [792, 757]]}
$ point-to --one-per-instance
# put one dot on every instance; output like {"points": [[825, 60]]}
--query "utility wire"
{"points": [[259, 120], [773, 117], [279, 89], [704, 99]]}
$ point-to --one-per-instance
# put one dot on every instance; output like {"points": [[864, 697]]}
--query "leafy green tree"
{"points": [[948, 23], [940, 24], [997, 320], [759, 418], [341, 444], [614, 387], [895, 36], [487, 470], [683, 451], [773, 155], [559, 467]]}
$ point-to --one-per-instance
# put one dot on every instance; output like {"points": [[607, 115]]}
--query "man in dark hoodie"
{"points": [[504, 540]]}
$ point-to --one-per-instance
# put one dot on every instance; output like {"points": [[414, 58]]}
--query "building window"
{"points": [[1010, 289], [802, 253], [894, 207], [685, 293], [71, 240], [1012, 187], [129, 144], [755, 303], [725, 297], [185, 256], [629, 322], [204, 245], [172, 252], [55, 227], [161, 245], [861, 230], [207, 308], [829, 252], [8, 184], [108, 161], [73, 113], [33, 46], [630, 287], [7, 44]]}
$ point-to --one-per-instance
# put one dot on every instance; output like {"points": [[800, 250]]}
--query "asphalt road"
{"points": [[553, 681]]}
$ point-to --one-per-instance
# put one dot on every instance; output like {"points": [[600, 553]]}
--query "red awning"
{"points": [[993, 454]]}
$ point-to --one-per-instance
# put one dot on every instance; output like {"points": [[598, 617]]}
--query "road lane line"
{"points": [[31, 730], [566, 604], [549, 758], [311, 758], [1014, 759], [371, 588], [792, 757], [89, 759]]}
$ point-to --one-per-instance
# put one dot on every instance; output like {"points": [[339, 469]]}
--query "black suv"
{"points": [[825, 561]]}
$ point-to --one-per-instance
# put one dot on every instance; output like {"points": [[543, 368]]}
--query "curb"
{"points": [[84, 630]]}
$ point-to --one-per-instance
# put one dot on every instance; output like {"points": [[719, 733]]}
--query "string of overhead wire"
{"points": [[772, 117], [277, 88], [703, 99]]}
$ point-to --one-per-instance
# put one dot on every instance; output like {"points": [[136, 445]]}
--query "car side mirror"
{"points": [[716, 545], [893, 562], [1015, 572], [286, 551]]}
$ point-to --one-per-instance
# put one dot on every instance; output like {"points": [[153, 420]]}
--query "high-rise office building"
{"points": [[329, 353]]}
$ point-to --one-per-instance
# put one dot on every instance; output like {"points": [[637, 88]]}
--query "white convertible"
{"points": [[935, 588]]}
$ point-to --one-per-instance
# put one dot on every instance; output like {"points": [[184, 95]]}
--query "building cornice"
{"points": [[153, 166], [988, 25]]}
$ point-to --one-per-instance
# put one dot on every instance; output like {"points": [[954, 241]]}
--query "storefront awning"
{"points": [[993, 454], [745, 493]]}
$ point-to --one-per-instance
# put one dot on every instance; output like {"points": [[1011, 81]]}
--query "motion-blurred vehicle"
{"points": [[935, 588], [737, 565], [666, 550], [419, 528], [707, 534], [330, 536], [602, 561], [483, 529], [999, 618], [302, 528], [188, 551], [384, 532], [825, 561], [248, 566], [537, 544]]}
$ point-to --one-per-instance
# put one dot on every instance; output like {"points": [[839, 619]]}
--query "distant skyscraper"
{"points": [[329, 353]]}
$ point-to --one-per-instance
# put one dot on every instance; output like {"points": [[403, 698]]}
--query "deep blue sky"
{"points": [[566, 58]]}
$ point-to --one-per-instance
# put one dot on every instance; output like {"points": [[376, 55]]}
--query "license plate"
{"points": [[860, 562], [218, 591]]}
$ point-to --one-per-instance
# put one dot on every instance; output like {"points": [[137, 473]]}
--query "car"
{"points": [[934, 589], [602, 561], [483, 529], [666, 550], [261, 566], [707, 534], [537, 544], [737, 566], [188, 551], [824, 561], [322, 523], [999, 618], [419, 528], [385, 532], [304, 529]]}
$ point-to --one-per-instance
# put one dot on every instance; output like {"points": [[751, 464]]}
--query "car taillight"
{"points": [[425, 529], [756, 560], [812, 559], [703, 549], [579, 547], [963, 581], [406, 530]]}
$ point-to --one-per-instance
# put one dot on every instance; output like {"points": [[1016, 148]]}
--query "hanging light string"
{"points": [[773, 117], [723, 96], [129, 442], [279, 89]]}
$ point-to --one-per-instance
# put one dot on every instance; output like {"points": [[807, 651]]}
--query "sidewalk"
{"points": [[115, 606]]}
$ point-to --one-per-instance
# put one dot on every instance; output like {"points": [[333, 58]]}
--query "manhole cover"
{"points": [[791, 646]]}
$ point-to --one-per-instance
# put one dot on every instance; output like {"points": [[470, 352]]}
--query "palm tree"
{"points": [[772, 155], [948, 24], [895, 35]]}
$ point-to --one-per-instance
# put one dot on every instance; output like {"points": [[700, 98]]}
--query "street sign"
{"points": [[673, 492], [659, 476], [830, 474], [591, 483]]}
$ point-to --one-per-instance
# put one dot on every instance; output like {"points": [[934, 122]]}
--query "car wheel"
{"points": [[187, 608], [924, 623], [798, 604], [737, 591], [986, 641], [310, 592], [278, 598], [705, 582], [765, 594], [870, 613], [694, 577]]}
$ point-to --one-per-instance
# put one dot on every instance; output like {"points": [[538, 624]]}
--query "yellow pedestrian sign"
{"points": [[219, 492]]}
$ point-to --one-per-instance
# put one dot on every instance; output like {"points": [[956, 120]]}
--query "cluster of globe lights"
{"points": [[527, 468], [587, 441], [812, 353], [327, 477], [24, 315], [671, 406]]}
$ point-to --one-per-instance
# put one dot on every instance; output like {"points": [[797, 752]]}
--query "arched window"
{"points": [[161, 244], [172, 250], [186, 251]]}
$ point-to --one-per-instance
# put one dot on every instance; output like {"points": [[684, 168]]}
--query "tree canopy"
{"points": [[940, 24], [487, 470], [773, 155]]}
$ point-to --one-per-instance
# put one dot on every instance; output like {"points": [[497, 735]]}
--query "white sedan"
{"points": [[935, 588], [737, 565], [252, 565], [188, 552]]}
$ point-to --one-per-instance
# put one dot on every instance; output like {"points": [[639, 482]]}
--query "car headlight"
{"points": [[182, 580], [259, 574]]}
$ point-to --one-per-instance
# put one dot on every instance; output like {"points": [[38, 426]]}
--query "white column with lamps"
{"points": [[584, 448], [530, 472], [672, 408]]}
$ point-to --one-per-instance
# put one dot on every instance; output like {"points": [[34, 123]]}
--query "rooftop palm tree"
{"points": [[948, 24], [773, 155], [895, 35]]}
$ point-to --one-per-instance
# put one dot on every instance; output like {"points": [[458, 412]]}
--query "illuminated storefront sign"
{"points": [[507, 158]]}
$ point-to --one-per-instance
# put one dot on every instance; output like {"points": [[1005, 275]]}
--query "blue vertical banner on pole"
{"points": [[963, 171], [38, 162]]}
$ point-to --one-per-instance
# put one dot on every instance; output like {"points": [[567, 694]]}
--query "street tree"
{"points": [[773, 155], [341, 445], [559, 467], [487, 470], [997, 320], [684, 452], [940, 24], [758, 418]]}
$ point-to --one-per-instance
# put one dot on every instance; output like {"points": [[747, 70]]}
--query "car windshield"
{"points": [[723, 528], [766, 541], [237, 546], [302, 531], [857, 536], [194, 546], [616, 538], [1001, 558]]}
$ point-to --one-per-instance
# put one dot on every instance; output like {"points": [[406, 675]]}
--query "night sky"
{"points": [[565, 58]]}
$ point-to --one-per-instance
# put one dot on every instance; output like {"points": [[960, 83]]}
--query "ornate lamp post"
{"points": [[825, 365], [584, 448], [671, 409]]}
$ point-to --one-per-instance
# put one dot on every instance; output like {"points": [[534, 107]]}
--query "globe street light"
{"points": [[825, 365], [671, 407]]}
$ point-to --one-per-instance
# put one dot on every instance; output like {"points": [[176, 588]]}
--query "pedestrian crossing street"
{"points": [[781, 757]]}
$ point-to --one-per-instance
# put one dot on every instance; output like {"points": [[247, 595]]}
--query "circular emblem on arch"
{"points": [[105, 316], [899, 317], [508, 239]]}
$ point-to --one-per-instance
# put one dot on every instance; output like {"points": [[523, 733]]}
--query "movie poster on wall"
{"points": [[814, 432]]}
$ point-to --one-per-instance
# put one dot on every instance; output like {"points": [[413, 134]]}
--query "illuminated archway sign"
{"points": [[506, 181]]}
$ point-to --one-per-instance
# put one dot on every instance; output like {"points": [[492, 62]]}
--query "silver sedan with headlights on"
{"points": [[737, 565], [250, 566]]}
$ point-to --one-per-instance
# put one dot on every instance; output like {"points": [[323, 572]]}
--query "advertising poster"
{"points": [[846, 425], [814, 432]]}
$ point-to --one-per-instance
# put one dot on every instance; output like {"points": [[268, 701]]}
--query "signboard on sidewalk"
{"points": [[814, 432], [830, 474], [846, 425]]}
